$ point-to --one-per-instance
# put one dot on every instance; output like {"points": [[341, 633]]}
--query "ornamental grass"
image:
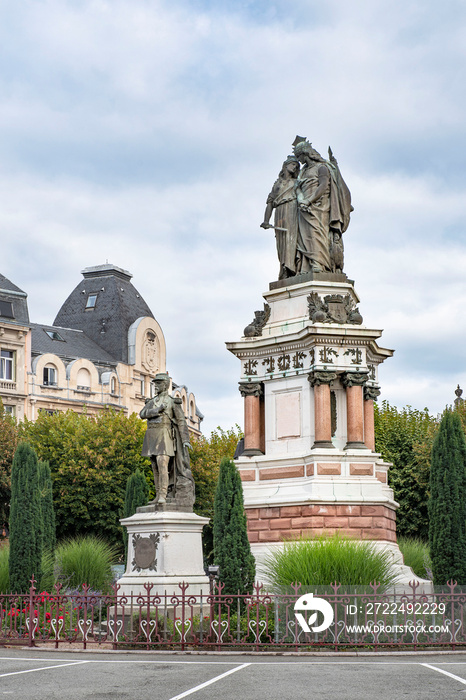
{"points": [[324, 561], [85, 560], [416, 555]]}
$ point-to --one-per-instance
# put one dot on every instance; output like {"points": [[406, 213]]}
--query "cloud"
{"points": [[150, 133]]}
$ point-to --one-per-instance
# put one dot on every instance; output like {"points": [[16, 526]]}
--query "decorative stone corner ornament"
{"points": [[251, 389], [371, 393], [260, 319], [349, 379], [334, 308], [319, 377], [145, 552]]}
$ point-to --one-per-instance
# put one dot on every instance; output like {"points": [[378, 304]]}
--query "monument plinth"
{"points": [[164, 549], [309, 378]]}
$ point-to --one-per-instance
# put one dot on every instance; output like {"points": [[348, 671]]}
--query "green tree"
{"points": [[25, 540], [206, 453], [137, 494], [47, 511], [404, 437], [447, 504], [91, 458], [232, 552], [8, 444]]}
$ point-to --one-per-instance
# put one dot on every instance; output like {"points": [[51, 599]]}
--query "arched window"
{"points": [[113, 385], [83, 380], [50, 377]]}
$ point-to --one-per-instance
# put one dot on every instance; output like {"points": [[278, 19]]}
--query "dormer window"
{"points": [[6, 309], [54, 335], [91, 301]]}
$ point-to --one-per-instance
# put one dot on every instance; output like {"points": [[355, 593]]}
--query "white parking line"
{"points": [[446, 673], [44, 668], [204, 685]]}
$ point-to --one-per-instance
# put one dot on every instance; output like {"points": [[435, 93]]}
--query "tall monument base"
{"points": [[164, 549], [309, 378]]}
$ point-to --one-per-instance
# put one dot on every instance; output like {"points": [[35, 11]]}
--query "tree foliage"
{"points": [[404, 437], [206, 454], [25, 515], [232, 552], [447, 504], [47, 510], [8, 444], [91, 458], [137, 494]]}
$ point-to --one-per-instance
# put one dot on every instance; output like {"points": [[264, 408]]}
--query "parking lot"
{"points": [[140, 676]]}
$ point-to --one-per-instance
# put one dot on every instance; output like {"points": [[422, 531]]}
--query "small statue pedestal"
{"points": [[165, 549]]}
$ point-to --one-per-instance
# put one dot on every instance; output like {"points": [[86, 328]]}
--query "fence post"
{"points": [[32, 624]]}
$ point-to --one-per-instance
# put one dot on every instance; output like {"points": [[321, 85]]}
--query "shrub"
{"points": [[327, 560], [447, 504], [85, 560], [416, 555], [25, 520], [4, 573], [232, 551]]}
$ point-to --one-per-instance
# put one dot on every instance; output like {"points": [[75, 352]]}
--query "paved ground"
{"points": [[120, 676]]}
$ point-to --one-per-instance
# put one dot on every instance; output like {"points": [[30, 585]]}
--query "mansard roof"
{"points": [[13, 303], [104, 305]]}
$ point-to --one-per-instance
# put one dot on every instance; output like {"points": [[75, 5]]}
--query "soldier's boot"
{"points": [[156, 483], [163, 486]]}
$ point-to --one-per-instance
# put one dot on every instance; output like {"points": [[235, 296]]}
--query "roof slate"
{"points": [[11, 293], [117, 306], [75, 344]]}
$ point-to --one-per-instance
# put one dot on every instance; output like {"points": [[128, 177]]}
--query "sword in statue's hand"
{"points": [[277, 228]]}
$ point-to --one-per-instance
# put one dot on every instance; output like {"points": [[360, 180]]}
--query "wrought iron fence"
{"points": [[298, 619]]}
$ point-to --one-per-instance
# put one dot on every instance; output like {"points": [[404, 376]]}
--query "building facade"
{"points": [[102, 350]]}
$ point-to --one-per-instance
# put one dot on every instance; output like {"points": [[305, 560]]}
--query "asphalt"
{"points": [[40, 675]]}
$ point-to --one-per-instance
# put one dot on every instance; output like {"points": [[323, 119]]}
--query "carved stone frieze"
{"points": [[256, 327], [371, 393], [298, 358], [269, 364], [357, 355], [251, 389], [326, 354], [334, 308], [354, 378], [250, 368], [283, 363], [319, 377]]}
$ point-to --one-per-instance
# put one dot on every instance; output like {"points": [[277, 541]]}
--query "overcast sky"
{"points": [[149, 132]]}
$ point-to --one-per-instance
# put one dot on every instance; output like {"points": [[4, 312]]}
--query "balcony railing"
{"points": [[7, 385]]}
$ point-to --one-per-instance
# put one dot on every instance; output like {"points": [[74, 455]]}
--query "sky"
{"points": [[148, 134]]}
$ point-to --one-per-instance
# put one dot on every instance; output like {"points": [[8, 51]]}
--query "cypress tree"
{"points": [[232, 552], [25, 540], [447, 503], [47, 512], [137, 494]]}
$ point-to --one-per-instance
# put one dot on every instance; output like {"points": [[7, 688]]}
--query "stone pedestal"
{"points": [[316, 366], [165, 549]]}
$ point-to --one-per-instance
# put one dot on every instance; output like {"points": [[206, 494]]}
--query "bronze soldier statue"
{"points": [[166, 442]]}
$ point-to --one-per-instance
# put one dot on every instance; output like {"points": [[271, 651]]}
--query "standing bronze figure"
{"points": [[312, 211], [166, 442], [282, 198]]}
